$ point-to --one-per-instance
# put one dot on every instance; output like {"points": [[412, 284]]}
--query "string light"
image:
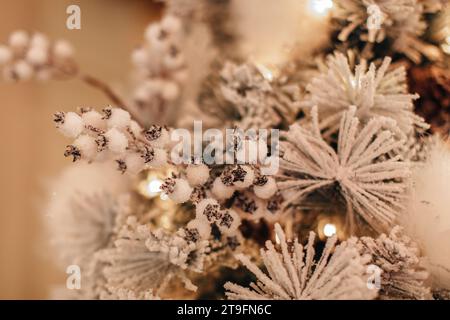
{"points": [[266, 72], [320, 7], [150, 186], [331, 224], [154, 186], [329, 230]]}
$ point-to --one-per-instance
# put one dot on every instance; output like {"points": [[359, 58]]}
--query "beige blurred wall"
{"points": [[31, 150]]}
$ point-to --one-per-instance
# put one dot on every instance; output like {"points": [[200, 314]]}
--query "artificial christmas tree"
{"points": [[312, 137]]}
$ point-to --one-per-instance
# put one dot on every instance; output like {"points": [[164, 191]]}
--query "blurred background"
{"points": [[31, 149]]}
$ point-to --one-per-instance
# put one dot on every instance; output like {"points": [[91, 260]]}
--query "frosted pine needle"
{"points": [[259, 102], [87, 224], [293, 274], [397, 255], [366, 166], [374, 92], [400, 21], [143, 259], [245, 95]]}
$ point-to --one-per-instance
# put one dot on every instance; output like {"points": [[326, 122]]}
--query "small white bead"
{"points": [[160, 158], [117, 141], [87, 146], [182, 191], [197, 174], [63, 50], [203, 227], [172, 62], [94, 119], [5, 55], [19, 39], [171, 24], [267, 190], [39, 40], [248, 179], [152, 31], [119, 119], [23, 70], [235, 223], [153, 36], [37, 56], [139, 57], [161, 141], [72, 126], [201, 206], [220, 190]]}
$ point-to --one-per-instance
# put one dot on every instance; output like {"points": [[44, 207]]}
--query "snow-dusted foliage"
{"points": [[294, 274], [366, 166], [373, 91]]}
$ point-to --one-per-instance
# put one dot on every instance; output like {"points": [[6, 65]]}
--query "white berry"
{"points": [[197, 174]]}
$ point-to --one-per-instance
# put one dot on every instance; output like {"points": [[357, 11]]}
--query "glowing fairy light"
{"points": [[329, 230], [266, 72], [320, 7], [154, 187]]}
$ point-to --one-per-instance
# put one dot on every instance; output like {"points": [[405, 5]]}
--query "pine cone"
{"points": [[432, 83]]}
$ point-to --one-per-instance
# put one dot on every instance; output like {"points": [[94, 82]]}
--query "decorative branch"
{"points": [[106, 89]]}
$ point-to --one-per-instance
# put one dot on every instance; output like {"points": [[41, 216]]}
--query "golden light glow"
{"points": [[329, 230], [154, 186], [150, 186], [266, 72], [331, 224]]}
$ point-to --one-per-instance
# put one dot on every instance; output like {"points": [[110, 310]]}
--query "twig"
{"points": [[106, 89]]}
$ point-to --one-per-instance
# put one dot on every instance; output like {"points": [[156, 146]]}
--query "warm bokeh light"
{"points": [[329, 230], [320, 7]]}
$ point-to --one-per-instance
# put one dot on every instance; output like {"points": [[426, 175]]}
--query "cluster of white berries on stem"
{"points": [[34, 55], [160, 66], [113, 135]]}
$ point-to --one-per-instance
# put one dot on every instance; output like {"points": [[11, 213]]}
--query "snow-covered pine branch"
{"points": [[371, 175], [293, 273]]}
